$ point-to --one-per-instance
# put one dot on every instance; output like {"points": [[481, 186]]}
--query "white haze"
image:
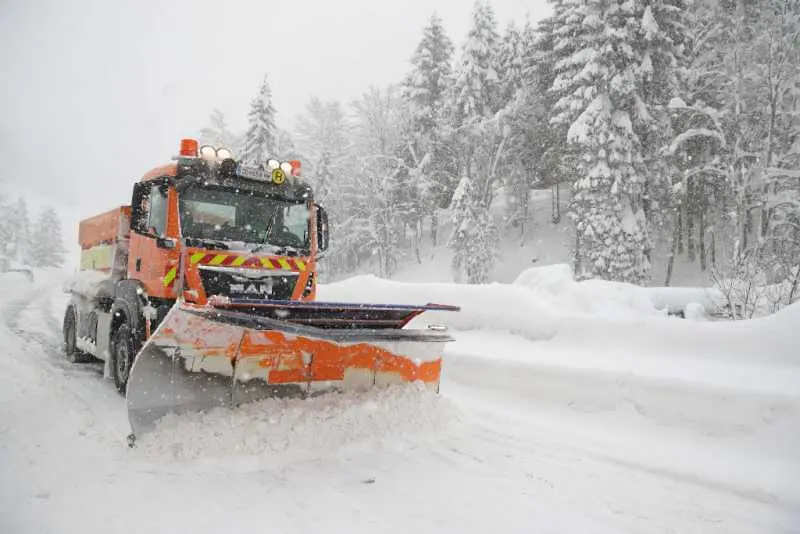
{"points": [[96, 92]]}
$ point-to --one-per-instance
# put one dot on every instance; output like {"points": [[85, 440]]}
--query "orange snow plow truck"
{"points": [[201, 293]]}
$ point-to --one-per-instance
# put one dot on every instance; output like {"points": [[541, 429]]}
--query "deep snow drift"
{"points": [[564, 407]]}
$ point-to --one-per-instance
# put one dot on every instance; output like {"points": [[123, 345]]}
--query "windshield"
{"points": [[255, 220]]}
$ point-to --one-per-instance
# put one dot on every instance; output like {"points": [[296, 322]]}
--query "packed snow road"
{"points": [[606, 426]]}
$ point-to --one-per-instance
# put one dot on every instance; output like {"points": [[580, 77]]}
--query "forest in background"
{"points": [[37, 242], [674, 123]]}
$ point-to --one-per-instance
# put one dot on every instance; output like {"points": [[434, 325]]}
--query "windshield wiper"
{"points": [[268, 231]]}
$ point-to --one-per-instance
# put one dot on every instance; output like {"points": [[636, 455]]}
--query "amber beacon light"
{"points": [[189, 147]]}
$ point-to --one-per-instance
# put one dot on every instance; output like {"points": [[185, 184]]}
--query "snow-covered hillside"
{"points": [[542, 243], [565, 408]]}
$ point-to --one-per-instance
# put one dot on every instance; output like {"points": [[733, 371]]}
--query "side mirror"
{"points": [[323, 230], [138, 213]]}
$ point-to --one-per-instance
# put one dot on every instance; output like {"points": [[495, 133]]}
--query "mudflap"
{"points": [[202, 357]]}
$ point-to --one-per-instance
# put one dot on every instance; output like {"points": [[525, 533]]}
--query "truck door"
{"points": [[152, 253]]}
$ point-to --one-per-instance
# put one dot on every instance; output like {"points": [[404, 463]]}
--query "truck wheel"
{"points": [[123, 351], [70, 331]]}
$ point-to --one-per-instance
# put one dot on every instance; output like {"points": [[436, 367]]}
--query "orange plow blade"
{"points": [[204, 357]]}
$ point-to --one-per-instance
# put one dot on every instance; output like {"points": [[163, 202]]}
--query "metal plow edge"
{"points": [[202, 357]]}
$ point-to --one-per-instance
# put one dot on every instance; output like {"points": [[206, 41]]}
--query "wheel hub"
{"points": [[123, 361]]}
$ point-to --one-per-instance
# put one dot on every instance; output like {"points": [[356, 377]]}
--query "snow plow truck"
{"points": [[202, 293]]}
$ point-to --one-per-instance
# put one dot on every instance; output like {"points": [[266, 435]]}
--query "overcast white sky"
{"points": [[96, 92]]}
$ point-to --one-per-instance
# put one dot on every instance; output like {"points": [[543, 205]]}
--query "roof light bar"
{"points": [[208, 152], [189, 148]]}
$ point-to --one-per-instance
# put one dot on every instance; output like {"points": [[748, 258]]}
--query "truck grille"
{"points": [[253, 285]]}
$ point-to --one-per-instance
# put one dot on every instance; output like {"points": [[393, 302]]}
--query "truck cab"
{"points": [[205, 229], [240, 233]]}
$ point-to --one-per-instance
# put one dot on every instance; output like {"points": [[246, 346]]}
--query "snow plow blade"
{"points": [[202, 357]]}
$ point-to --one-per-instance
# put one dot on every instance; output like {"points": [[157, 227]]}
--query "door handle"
{"points": [[138, 264]]}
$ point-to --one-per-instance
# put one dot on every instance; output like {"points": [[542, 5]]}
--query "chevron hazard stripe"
{"points": [[169, 278], [235, 260]]}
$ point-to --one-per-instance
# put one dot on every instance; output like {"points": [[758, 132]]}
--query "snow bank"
{"points": [[602, 297], [676, 299], [285, 430], [785, 318], [550, 278], [534, 306], [492, 306]]}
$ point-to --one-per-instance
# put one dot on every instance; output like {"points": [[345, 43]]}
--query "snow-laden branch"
{"points": [[692, 134]]}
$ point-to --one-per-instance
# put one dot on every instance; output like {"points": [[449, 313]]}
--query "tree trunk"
{"points": [[773, 111], [523, 210], [434, 226], [679, 228], [556, 203], [417, 239], [676, 239], [795, 286], [738, 163], [713, 248], [576, 261], [702, 243]]}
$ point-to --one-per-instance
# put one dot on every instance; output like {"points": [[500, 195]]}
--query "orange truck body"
{"points": [[229, 313], [104, 240]]}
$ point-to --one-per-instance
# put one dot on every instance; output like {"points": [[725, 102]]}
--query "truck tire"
{"points": [[70, 330], [124, 348]]}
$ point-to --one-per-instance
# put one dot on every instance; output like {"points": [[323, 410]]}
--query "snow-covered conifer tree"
{"points": [[20, 232], [619, 69], [425, 87], [481, 144], [525, 120], [477, 85], [285, 148], [425, 90], [259, 143], [511, 64], [6, 230], [474, 237], [381, 202], [47, 244], [322, 140], [217, 132]]}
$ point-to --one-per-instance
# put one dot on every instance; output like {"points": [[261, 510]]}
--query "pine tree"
{"points": [[217, 132], [260, 136], [477, 91], [322, 139], [735, 138], [551, 158], [511, 64], [525, 119], [474, 236], [47, 249], [20, 232], [425, 90], [285, 148], [482, 141], [600, 84], [426, 86], [6, 232], [382, 201]]}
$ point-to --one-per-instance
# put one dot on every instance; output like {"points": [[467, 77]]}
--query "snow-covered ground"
{"points": [[564, 407]]}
